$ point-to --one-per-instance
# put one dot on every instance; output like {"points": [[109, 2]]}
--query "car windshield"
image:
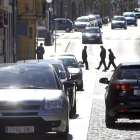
{"points": [[119, 19], [129, 73], [27, 77], [129, 15], [60, 71], [70, 62], [97, 17], [91, 31], [92, 18], [82, 20]]}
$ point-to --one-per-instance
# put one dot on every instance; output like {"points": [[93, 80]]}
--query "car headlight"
{"points": [[53, 104], [98, 36]]}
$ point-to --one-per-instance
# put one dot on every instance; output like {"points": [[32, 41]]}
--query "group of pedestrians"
{"points": [[102, 56]]}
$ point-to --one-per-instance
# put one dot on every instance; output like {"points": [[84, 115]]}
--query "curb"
{"points": [[66, 47]]}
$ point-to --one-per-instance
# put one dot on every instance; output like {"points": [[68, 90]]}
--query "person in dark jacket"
{"points": [[40, 51], [84, 57], [103, 56], [111, 59]]}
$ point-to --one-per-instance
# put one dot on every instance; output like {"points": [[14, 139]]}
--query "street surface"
{"points": [[89, 122]]}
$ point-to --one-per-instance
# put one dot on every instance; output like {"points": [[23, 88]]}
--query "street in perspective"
{"points": [[70, 70]]}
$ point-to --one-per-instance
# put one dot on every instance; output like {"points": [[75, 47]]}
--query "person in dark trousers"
{"points": [[84, 57], [111, 59], [40, 51], [103, 56]]}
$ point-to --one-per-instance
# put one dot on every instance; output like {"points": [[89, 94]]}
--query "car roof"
{"points": [[130, 64], [95, 15], [128, 13], [92, 28], [67, 53], [63, 57], [34, 61], [119, 16], [24, 65], [83, 17]]}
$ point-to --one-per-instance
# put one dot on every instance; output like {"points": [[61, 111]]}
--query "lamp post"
{"points": [[65, 11]]}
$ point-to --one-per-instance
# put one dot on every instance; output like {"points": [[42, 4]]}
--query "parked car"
{"points": [[94, 20], [119, 22], [81, 23], [99, 20], [32, 100], [62, 54], [64, 24], [130, 18], [105, 20], [92, 34], [74, 68], [137, 12], [64, 75], [122, 97]]}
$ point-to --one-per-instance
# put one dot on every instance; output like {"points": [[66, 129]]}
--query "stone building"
{"points": [[8, 18]]}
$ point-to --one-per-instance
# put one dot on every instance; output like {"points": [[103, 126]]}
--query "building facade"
{"points": [[8, 18]]}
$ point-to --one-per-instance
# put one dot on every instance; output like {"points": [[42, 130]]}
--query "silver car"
{"points": [[81, 23], [93, 20], [32, 100]]}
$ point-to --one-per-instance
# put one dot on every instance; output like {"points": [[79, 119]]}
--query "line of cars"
{"points": [[39, 96], [128, 18]]}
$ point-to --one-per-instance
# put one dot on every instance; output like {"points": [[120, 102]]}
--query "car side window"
{"points": [[64, 21], [67, 71]]}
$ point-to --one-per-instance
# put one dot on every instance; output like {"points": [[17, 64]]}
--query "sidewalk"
{"points": [[61, 46]]}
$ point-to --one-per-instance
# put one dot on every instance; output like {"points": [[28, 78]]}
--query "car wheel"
{"points": [[110, 121], [83, 41], [125, 27], [67, 29], [80, 87], [112, 27], [135, 24]]}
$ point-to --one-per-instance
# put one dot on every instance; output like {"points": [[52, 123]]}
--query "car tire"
{"points": [[135, 24], [67, 29], [125, 27], [75, 30], [112, 27], [83, 41], [80, 87], [110, 121]]}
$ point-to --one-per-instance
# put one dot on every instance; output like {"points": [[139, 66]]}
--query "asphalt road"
{"points": [[89, 122]]}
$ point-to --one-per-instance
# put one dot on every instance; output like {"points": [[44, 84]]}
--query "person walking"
{"points": [[40, 51], [111, 59], [103, 56], [84, 57]]}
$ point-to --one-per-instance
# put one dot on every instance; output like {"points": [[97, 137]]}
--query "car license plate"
{"points": [[91, 39], [19, 129], [137, 92]]}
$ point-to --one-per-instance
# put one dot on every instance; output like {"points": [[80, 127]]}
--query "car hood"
{"points": [[74, 70], [81, 23], [130, 18], [28, 96], [114, 21]]}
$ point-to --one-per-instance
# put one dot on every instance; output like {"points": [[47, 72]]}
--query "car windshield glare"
{"points": [[92, 31], [27, 77], [97, 17], [60, 71], [70, 63], [82, 20], [119, 19], [129, 73]]}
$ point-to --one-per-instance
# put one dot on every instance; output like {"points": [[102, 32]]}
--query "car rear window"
{"points": [[129, 15], [129, 73], [91, 31], [25, 77], [60, 71], [119, 19], [82, 20]]}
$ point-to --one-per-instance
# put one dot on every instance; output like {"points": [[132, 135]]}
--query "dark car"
{"points": [[131, 18], [33, 100], [99, 20], [137, 12], [119, 22], [122, 97], [64, 76], [64, 24], [92, 34]]}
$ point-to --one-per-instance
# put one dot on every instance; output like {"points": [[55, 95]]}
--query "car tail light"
{"points": [[125, 110], [121, 86]]}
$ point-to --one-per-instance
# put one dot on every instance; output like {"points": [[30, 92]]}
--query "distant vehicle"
{"points": [[64, 24], [105, 20], [92, 34], [64, 76], [81, 23], [94, 20], [33, 100], [74, 68], [99, 20], [137, 12], [119, 22], [130, 18], [62, 54], [122, 95]]}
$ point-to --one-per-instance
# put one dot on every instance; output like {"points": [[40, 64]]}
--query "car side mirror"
{"points": [[74, 77], [104, 80], [81, 66], [68, 84]]}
